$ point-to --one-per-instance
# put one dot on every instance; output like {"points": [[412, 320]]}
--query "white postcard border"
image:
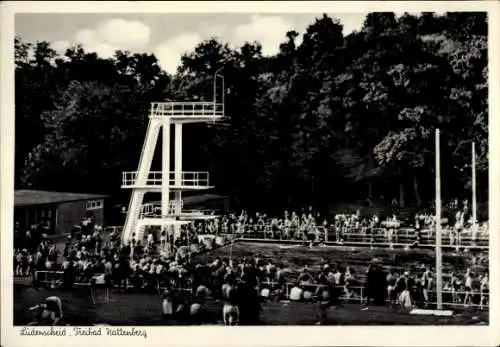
{"points": [[266, 335]]}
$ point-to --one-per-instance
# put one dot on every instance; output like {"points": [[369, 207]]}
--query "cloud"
{"points": [[60, 46], [105, 50], [131, 35], [169, 52], [87, 38], [112, 35], [267, 30], [120, 34], [350, 21]]}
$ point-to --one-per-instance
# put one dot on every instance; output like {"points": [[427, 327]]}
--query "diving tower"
{"points": [[169, 183]]}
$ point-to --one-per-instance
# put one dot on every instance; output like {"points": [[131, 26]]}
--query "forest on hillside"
{"points": [[334, 118]]}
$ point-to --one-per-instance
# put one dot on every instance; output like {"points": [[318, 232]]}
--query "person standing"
{"points": [[69, 274], [468, 287], [391, 286], [484, 289], [404, 285], [248, 304], [368, 290], [325, 297], [167, 304], [338, 283], [230, 310], [426, 285]]}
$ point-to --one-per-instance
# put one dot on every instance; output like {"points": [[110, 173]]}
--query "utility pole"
{"points": [[439, 275]]}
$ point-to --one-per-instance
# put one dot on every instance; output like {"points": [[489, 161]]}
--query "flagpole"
{"points": [[439, 275], [474, 202]]}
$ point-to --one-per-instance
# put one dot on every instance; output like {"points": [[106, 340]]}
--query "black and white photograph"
{"points": [[211, 169]]}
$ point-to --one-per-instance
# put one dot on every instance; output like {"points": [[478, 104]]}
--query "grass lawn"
{"points": [[144, 309]]}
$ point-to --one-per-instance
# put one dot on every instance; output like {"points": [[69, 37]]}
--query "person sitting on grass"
{"points": [[48, 312], [307, 294], [305, 277], [296, 293], [202, 291]]}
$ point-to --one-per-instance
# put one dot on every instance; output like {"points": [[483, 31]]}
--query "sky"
{"points": [[168, 36]]}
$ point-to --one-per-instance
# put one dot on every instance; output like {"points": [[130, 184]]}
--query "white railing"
{"points": [[187, 109], [171, 206], [375, 237], [355, 293], [155, 178], [147, 209], [54, 279]]}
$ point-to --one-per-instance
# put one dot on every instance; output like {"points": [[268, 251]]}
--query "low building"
{"points": [[59, 211]]}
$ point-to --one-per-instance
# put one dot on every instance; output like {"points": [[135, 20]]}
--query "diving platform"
{"points": [[161, 221], [187, 112], [188, 180]]}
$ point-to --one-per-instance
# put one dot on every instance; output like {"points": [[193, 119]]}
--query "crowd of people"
{"points": [[130, 268], [159, 263], [309, 226], [243, 284], [34, 251]]}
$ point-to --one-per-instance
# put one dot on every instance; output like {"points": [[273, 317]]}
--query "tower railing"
{"points": [[155, 178], [147, 209], [186, 109]]}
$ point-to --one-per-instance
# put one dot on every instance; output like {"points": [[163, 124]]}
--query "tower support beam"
{"points": [[178, 167], [165, 164]]}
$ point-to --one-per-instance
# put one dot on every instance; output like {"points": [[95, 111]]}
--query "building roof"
{"points": [[40, 197]]}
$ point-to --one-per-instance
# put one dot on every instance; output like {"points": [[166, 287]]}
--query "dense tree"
{"points": [[93, 126]]}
